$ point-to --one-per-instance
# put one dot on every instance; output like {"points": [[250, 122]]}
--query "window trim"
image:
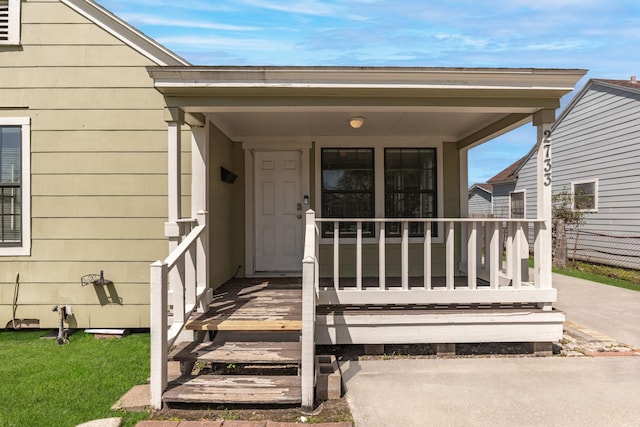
{"points": [[24, 249], [595, 194], [13, 32], [379, 144], [524, 203]]}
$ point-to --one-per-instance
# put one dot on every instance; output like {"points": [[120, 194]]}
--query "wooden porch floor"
{"points": [[254, 305]]}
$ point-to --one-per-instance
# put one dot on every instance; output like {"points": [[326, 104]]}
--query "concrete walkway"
{"points": [[609, 310], [522, 391]]}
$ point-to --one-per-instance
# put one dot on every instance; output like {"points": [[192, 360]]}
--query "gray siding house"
{"points": [[480, 200], [596, 150], [509, 202]]}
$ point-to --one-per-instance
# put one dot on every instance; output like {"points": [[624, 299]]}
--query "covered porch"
{"points": [[348, 209]]}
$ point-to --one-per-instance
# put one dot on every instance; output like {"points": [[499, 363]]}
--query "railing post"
{"points": [[494, 259], [190, 271], [450, 256], [516, 255], [158, 321], [336, 255], [472, 272], [202, 262], [427, 255], [382, 257], [359, 255], [405, 255], [308, 312]]}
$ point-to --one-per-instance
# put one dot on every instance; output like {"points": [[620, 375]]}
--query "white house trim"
{"points": [[13, 23], [25, 248]]}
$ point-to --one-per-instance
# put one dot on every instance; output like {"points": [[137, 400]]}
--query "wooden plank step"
{"points": [[238, 352], [204, 324], [237, 389]]}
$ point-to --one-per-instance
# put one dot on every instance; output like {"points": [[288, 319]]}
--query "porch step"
{"points": [[203, 323], [237, 389], [238, 352]]}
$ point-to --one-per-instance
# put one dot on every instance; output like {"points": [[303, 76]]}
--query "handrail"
{"points": [[188, 296], [184, 246]]}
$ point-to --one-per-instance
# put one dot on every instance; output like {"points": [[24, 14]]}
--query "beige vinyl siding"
{"points": [[99, 170], [221, 209]]}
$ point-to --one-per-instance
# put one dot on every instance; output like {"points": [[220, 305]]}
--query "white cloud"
{"points": [[137, 18]]}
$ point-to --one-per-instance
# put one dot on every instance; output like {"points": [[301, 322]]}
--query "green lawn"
{"points": [[600, 278], [49, 385]]}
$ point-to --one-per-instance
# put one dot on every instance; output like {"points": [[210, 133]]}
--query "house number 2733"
{"points": [[546, 149]]}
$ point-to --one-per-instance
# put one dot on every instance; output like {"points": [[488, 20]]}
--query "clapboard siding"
{"points": [[99, 169], [480, 203], [501, 194], [598, 138]]}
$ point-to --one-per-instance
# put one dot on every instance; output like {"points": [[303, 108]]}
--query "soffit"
{"points": [[451, 104]]}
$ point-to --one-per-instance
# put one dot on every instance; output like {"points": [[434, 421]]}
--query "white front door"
{"points": [[278, 211]]}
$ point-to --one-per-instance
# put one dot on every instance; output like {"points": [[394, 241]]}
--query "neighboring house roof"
{"points": [[487, 188], [125, 32], [631, 85], [510, 173]]}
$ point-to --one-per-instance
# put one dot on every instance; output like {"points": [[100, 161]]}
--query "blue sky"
{"points": [[601, 36]]}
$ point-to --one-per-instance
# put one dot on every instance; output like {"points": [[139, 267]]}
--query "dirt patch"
{"points": [[330, 411]]}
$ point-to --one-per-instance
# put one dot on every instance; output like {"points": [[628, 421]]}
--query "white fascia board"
{"points": [[125, 32], [367, 78]]}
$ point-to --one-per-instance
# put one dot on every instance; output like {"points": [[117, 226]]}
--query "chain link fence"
{"points": [[605, 254]]}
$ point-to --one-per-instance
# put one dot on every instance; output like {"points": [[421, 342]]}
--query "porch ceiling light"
{"points": [[356, 122]]}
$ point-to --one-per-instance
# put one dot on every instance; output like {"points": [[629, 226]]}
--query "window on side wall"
{"points": [[14, 187], [9, 22], [585, 195], [347, 189], [410, 188], [516, 204]]}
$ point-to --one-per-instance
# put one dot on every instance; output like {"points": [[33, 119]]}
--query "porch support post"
{"points": [[200, 205], [173, 229], [542, 250], [464, 208], [174, 118]]}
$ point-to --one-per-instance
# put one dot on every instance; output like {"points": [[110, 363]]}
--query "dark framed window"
{"points": [[347, 188], [10, 185], [410, 188], [516, 201]]}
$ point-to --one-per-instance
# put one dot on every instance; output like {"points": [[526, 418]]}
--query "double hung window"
{"points": [[15, 184], [410, 187], [10, 185], [407, 177], [585, 195], [347, 188]]}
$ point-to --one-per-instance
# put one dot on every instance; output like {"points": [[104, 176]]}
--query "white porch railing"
{"points": [[494, 262], [187, 263]]}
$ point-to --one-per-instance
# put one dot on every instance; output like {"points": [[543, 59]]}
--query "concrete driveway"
{"points": [[606, 309], [513, 391]]}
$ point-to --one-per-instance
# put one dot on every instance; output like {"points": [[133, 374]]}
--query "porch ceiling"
{"points": [[467, 106]]}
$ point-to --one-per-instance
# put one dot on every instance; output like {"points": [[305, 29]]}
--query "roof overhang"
{"points": [[463, 105]]}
